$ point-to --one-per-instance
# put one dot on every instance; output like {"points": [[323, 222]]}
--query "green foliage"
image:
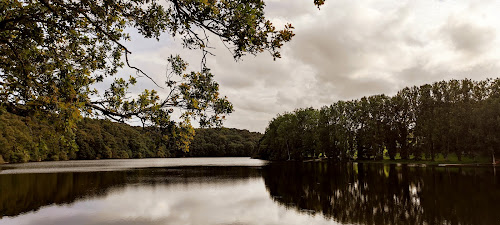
{"points": [[291, 136], [319, 2], [101, 139], [458, 117], [224, 142], [54, 52], [23, 139]]}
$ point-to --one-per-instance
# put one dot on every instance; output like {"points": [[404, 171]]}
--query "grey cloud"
{"points": [[352, 88], [252, 104], [421, 74], [284, 98], [289, 9], [346, 50], [468, 37], [249, 71], [353, 49]]}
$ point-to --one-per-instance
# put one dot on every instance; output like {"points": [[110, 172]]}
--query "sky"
{"points": [[346, 50]]}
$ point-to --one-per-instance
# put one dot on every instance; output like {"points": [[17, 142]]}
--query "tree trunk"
{"points": [[288, 149], [432, 151], [404, 151], [493, 156]]}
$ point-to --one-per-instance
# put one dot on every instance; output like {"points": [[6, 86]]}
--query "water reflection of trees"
{"points": [[26, 192], [387, 194], [20, 193]]}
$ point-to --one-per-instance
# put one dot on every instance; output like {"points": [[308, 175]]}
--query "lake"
{"points": [[245, 191]]}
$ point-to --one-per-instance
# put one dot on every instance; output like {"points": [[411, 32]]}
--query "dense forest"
{"points": [[223, 142], [24, 139], [459, 117]]}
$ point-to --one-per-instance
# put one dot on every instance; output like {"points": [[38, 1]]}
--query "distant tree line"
{"points": [[223, 142], [460, 117], [24, 139]]}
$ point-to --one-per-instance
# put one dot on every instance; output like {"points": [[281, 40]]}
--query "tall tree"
{"points": [[53, 52], [448, 117]]}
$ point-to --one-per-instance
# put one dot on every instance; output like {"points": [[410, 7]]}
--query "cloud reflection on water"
{"points": [[243, 202]]}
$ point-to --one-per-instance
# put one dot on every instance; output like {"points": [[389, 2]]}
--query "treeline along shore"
{"points": [[24, 139], [456, 117]]}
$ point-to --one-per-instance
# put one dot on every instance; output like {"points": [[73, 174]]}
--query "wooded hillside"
{"points": [[24, 139]]}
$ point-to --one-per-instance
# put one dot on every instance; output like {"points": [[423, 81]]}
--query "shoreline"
{"points": [[428, 163], [421, 163], [111, 159]]}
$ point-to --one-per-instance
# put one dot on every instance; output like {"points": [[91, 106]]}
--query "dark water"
{"points": [[245, 191]]}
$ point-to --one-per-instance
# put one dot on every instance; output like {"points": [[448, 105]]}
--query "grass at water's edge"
{"points": [[451, 159], [428, 162], [439, 160]]}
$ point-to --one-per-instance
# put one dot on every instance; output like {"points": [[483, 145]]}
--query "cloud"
{"points": [[184, 203], [345, 50], [467, 37]]}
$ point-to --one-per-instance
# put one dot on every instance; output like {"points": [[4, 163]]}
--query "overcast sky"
{"points": [[346, 50]]}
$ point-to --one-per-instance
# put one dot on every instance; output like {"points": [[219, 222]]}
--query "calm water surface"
{"points": [[245, 191]]}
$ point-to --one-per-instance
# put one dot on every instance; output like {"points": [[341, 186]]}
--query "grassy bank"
{"points": [[452, 159]]}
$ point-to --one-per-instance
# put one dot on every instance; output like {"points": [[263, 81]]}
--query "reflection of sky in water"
{"points": [[278, 193], [244, 202], [123, 164]]}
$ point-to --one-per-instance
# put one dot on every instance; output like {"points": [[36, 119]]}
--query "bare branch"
{"points": [[139, 70]]}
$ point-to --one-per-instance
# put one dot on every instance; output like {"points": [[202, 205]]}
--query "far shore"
{"points": [[429, 162], [411, 162], [70, 160]]}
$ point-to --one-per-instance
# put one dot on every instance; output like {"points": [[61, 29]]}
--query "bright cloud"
{"points": [[345, 50]]}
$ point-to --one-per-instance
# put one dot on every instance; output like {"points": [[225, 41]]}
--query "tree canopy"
{"points": [[24, 139], [457, 117], [54, 52], [224, 142]]}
